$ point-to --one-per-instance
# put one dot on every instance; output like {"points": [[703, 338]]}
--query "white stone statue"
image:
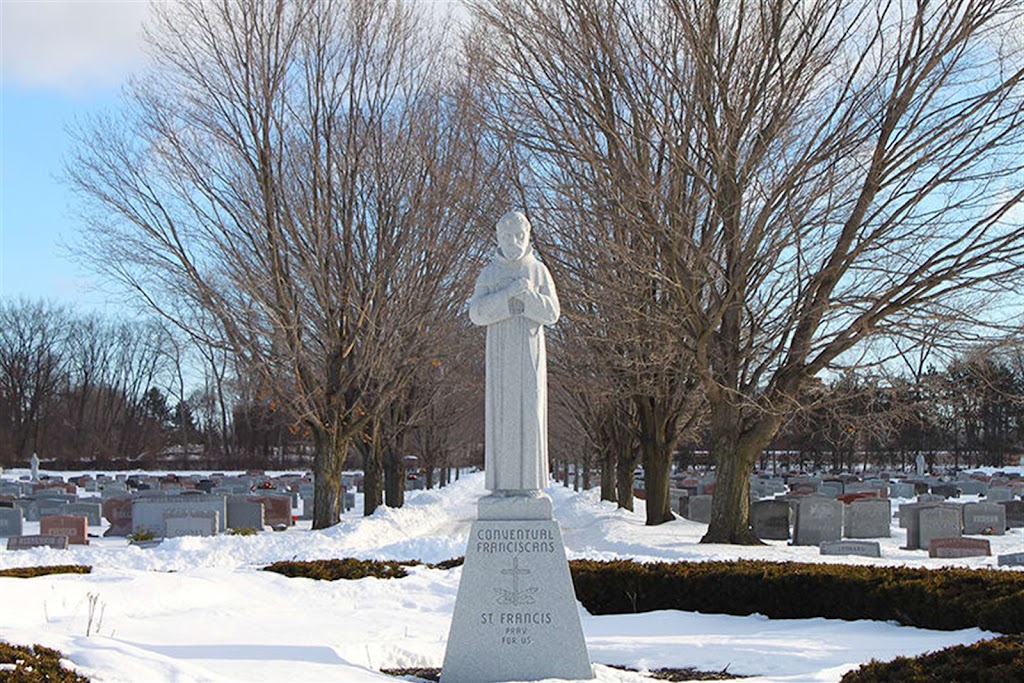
{"points": [[514, 298]]}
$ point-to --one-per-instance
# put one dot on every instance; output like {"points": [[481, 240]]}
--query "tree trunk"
{"points": [[608, 473], [735, 453], [656, 452], [624, 466], [328, 458], [394, 478], [373, 477]]}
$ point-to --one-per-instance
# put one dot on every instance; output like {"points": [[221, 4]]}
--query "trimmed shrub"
{"points": [[999, 659], [449, 564], [347, 568], [35, 664], [32, 572], [948, 599]]}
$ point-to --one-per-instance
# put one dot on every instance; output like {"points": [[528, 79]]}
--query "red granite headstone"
{"points": [[959, 547], [74, 527], [277, 510], [118, 512]]}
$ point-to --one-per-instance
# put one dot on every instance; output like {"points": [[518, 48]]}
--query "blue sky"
{"points": [[58, 61]]}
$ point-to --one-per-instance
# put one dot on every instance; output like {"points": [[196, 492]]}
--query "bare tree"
{"points": [[812, 176], [32, 373], [303, 174], [584, 121]]}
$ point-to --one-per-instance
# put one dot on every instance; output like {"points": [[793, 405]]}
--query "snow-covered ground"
{"points": [[200, 609]]}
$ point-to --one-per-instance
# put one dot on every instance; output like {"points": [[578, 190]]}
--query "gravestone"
{"points": [[869, 518], [984, 518], [1011, 560], [997, 494], [307, 507], [901, 490], [946, 490], [50, 508], [831, 489], [118, 511], [919, 465], [929, 498], [186, 522], [938, 522], [277, 510], [699, 509], [1014, 513], [515, 614], [959, 547], [817, 519], [245, 514], [113, 489], [770, 519], [93, 512], [684, 505], [865, 548], [11, 522], [910, 519], [33, 464], [75, 527], [148, 513], [37, 541], [971, 487]]}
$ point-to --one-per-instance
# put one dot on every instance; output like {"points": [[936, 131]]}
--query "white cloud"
{"points": [[70, 45]]}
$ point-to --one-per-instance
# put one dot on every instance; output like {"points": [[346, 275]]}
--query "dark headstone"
{"points": [[37, 541], [946, 490], [770, 519], [1014, 513]]}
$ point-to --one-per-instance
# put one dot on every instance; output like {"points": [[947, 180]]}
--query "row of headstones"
{"points": [[817, 518], [168, 516]]}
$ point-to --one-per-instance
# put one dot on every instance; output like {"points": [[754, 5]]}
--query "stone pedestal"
{"points": [[515, 614]]}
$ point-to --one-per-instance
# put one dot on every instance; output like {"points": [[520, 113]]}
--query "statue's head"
{"points": [[513, 235]]}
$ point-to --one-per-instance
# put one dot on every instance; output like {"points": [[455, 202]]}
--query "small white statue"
{"points": [[514, 298]]}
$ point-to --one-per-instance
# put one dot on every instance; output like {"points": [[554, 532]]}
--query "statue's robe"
{"points": [[516, 410]]}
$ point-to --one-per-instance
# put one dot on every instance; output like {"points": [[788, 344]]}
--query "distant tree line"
{"points": [[82, 391], [736, 199]]}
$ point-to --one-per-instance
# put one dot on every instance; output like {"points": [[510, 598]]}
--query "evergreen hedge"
{"points": [[32, 572], [946, 599], [35, 664], [999, 659]]}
